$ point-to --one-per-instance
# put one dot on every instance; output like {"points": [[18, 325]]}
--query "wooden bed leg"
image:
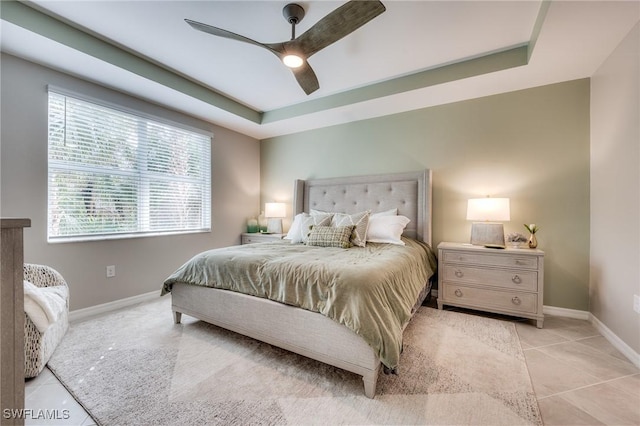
{"points": [[177, 316], [370, 382]]}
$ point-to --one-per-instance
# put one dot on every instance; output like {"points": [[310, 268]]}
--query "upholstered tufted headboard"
{"points": [[410, 193]]}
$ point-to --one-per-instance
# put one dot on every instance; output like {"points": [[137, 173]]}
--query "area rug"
{"points": [[135, 367]]}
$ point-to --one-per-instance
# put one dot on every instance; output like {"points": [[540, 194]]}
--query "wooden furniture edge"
{"points": [[12, 320]]}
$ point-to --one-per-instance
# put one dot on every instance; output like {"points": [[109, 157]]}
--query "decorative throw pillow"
{"points": [[306, 221], [360, 223], [387, 229], [330, 236]]}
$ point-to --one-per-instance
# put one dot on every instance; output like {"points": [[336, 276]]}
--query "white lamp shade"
{"points": [[275, 210], [488, 209]]}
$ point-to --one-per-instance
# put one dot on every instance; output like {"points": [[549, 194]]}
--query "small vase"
{"points": [[533, 241], [252, 225]]}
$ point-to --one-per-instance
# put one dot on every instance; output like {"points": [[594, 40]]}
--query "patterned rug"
{"points": [[135, 367]]}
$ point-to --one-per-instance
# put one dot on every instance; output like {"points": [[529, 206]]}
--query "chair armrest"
{"points": [[43, 275]]}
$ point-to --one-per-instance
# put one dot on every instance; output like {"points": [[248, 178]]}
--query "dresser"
{"points": [[256, 237], [506, 281], [12, 319]]}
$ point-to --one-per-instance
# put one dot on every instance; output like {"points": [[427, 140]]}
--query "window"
{"points": [[115, 173]]}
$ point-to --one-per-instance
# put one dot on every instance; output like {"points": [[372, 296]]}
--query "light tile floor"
{"points": [[578, 376], [51, 404]]}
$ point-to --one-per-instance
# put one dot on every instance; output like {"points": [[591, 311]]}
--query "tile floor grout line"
{"points": [[581, 371], [569, 339], [588, 386], [551, 344], [601, 352], [587, 346], [625, 359]]}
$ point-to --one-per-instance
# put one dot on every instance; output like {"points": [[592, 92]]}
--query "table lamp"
{"points": [[274, 212], [486, 212]]}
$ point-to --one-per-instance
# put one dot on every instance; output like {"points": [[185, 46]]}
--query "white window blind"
{"points": [[117, 174]]}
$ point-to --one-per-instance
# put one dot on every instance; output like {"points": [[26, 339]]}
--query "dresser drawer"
{"points": [[515, 261], [251, 240], [515, 280], [483, 297]]}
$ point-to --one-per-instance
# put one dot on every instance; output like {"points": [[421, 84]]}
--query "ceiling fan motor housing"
{"points": [[293, 13]]}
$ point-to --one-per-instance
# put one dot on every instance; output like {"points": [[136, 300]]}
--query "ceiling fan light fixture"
{"points": [[294, 53], [292, 60]]}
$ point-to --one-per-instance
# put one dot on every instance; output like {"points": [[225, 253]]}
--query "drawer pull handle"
{"points": [[459, 273], [516, 300], [516, 279], [520, 262], [458, 293]]}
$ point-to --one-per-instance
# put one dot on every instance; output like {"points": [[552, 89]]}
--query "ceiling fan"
{"points": [[295, 52]]}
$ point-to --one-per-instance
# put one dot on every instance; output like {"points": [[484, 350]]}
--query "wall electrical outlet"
{"points": [[636, 303], [111, 271]]}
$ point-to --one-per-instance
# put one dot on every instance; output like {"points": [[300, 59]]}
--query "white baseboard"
{"points": [[567, 313], [81, 314], [617, 343]]}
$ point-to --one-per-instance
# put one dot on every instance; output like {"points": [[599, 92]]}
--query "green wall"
{"points": [[531, 146]]}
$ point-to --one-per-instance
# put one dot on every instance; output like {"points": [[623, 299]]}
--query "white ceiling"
{"points": [[574, 38]]}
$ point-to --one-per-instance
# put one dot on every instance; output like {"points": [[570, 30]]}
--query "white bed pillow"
{"points": [[305, 222], [387, 229], [390, 212], [295, 227]]}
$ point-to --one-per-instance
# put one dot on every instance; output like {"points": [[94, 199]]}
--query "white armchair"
{"points": [[38, 346]]}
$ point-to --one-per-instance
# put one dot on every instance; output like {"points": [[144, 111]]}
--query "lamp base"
{"points": [[274, 226], [487, 234]]}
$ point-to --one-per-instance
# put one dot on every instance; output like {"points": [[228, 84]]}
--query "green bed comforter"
{"points": [[370, 290]]}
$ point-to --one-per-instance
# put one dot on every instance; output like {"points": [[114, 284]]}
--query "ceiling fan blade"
{"points": [[306, 78], [227, 34], [337, 24]]}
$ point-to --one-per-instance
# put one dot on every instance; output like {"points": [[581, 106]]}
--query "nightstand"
{"points": [[256, 237], [505, 281]]}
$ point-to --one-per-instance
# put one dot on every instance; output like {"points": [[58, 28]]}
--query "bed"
{"points": [[309, 332]]}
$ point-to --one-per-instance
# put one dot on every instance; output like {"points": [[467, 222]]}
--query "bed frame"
{"points": [[304, 332]]}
